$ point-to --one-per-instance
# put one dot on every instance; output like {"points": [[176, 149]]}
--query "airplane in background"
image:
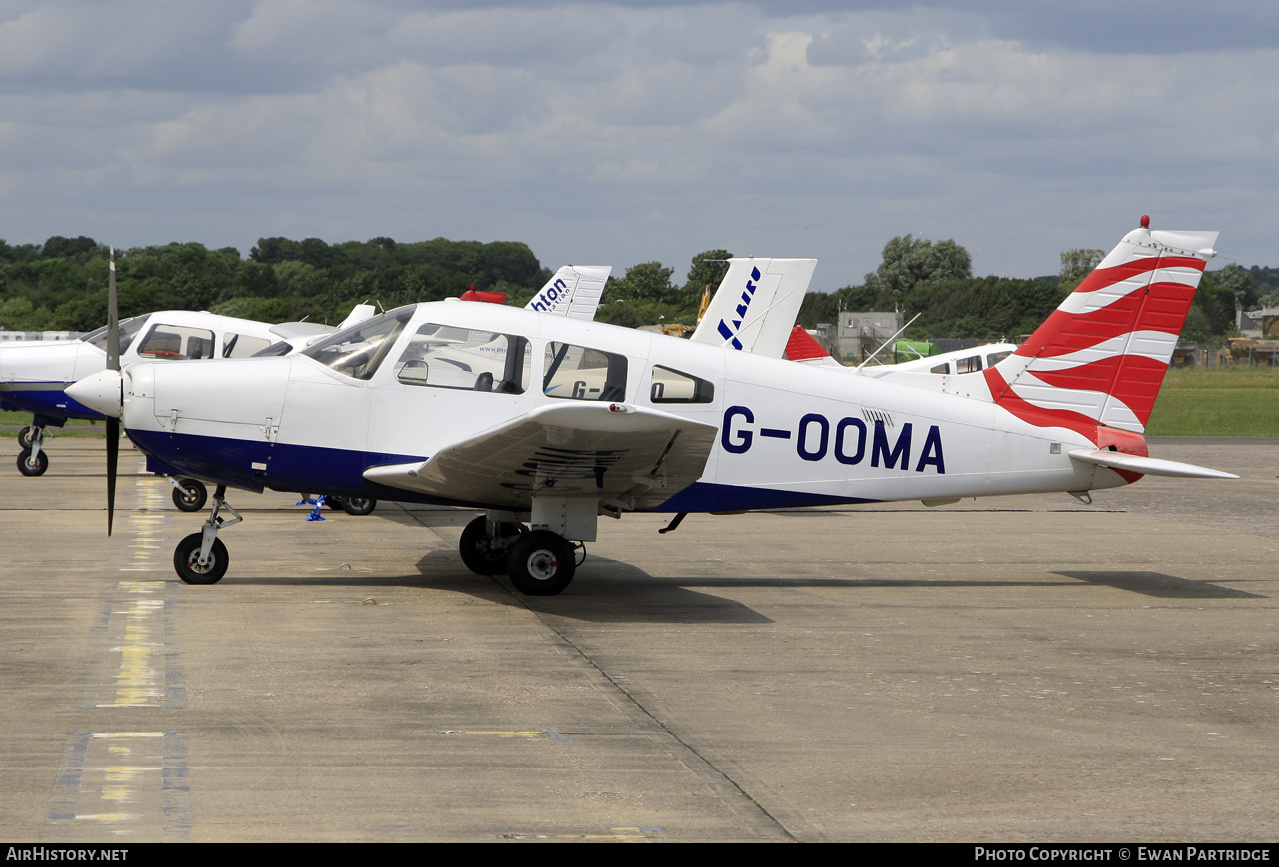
{"points": [[675, 426], [34, 374]]}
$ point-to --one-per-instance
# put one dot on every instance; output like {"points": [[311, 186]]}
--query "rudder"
{"points": [[1100, 358]]}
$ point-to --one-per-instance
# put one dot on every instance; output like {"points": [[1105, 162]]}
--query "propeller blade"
{"points": [[113, 363], [113, 461], [113, 318]]}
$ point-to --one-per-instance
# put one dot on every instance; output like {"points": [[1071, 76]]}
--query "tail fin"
{"points": [[574, 291], [756, 305], [1100, 358]]}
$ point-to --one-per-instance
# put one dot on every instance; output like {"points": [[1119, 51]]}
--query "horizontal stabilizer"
{"points": [[1146, 466]]}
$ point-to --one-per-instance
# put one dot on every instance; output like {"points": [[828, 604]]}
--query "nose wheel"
{"points": [[201, 558], [32, 462], [189, 495], [186, 560]]}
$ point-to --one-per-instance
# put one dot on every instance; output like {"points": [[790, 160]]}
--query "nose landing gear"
{"points": [[201, 558]]}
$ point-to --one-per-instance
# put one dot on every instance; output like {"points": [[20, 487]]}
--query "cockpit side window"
{"points": [[129, 329], [177, 342], [358, 351], [578, 373], [444, 356]]}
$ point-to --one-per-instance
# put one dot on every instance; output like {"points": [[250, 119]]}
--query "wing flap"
{"points": [[618, 452]]}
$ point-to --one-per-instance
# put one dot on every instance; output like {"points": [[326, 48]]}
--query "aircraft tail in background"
{"points": [[1100, 358], [756, 305], [574, 291]]}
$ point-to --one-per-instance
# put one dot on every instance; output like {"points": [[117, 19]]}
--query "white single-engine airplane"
{"points": [[589, 419], [34, 375]]}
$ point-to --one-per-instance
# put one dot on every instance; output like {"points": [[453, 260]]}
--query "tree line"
{"points": [[61, 284]]}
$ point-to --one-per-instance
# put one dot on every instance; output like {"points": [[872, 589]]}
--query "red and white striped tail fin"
{"points": [[1100, 358]]}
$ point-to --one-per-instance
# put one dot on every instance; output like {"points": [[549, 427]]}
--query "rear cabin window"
{"points": [[579, 373], [177, 341], [242, 345], [442, 356], [996, 357], [968, 365], [671, 386]]}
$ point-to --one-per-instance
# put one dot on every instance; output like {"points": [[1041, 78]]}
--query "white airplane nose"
{"points": [[103, 392]]}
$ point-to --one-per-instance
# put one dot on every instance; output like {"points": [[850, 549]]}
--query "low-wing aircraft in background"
{"points": [[589, 419], [34, 374]]}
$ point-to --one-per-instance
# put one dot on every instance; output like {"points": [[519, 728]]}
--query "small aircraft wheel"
{"points": [[333, 502], [188, 551], [540, 563], [359, 505], [479, 552], [32, 466], [192, 497], [26, 437]]}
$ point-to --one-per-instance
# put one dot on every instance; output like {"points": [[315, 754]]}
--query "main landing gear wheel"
{"points": [[190, 571], [359, 505], [540, 563], [192, 497], [32, 466], [483, 554], [26, 437]]}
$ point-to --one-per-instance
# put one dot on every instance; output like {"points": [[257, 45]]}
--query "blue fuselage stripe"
{"points": [[47, 401], [313, 469]]}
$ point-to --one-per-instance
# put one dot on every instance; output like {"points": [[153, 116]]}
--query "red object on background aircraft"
{"points": [[481, 295], [802, 346]]}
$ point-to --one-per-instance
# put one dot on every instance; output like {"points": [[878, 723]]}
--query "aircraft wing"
{"points": [[625, 455]]}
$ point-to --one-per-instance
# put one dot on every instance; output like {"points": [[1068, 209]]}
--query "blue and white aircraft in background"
{"points": [[588, 419], [34, 374]]}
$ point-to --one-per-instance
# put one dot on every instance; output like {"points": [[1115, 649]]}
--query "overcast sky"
{"points": [[622, 132]]}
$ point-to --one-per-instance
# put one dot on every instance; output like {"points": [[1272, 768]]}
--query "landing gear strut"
{"points": [[201, 558]]}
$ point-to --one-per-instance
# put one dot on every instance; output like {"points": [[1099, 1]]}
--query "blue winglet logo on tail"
{"points": [[730, 333]]}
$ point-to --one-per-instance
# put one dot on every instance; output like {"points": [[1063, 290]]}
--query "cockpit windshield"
{"points": [[129, 329], [359, 350]]}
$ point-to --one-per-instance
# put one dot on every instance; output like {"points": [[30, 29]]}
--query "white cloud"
{"points": [[634, 132]]}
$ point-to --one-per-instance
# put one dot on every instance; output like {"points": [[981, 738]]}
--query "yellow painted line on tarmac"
{"points": [[140, 679]]}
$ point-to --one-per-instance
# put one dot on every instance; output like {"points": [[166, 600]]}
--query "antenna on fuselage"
{"points": [[890, 340]]}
